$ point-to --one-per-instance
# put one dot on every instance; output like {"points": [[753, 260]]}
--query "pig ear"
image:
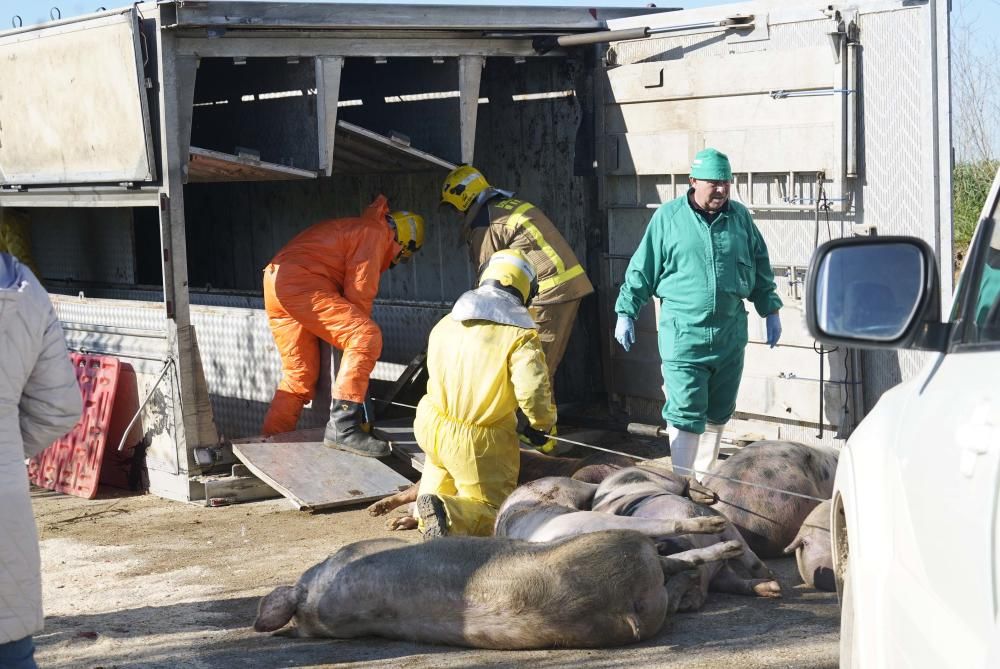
{"points": [[794, 545], [276, 609]]}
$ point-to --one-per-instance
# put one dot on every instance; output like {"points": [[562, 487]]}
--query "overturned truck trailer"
{"points": [[163, 152]]}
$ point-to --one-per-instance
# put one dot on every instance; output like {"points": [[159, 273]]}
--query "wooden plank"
{"points": [[312, 476], [213, 166]]}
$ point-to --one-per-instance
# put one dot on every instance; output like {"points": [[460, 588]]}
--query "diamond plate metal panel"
{"points": [[242, 365], [898, 187], [897, 95], [114, 313]]}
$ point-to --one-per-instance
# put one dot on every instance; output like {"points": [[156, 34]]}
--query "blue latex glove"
{"points": [[773, 329], [625, 332]]}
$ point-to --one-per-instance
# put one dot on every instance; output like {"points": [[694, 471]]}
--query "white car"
{"points": [[916, 503]]}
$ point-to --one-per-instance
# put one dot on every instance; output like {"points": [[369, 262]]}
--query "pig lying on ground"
{"points": [[534, 465], [769, 520], [814, 549], [594, 590], [648, 491], [556, 507]]}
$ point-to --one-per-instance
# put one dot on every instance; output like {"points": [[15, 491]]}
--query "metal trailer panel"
{"points": [[665, 101], [898, 125], [300, 16], [136, 333], [74, 105], [240, 362]]}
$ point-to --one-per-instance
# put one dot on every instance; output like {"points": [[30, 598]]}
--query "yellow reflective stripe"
{"points": [[563, 275]]}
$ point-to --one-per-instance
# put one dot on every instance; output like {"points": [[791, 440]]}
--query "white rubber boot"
{"points": [[708, 449], [683, 450]]}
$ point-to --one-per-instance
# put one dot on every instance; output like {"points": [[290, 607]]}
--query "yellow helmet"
{"points": [[461, 187], [409, 229], [511, 271]]}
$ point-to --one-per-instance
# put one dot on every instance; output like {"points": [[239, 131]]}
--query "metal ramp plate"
{"points": [[314, 477], [399, 432]]}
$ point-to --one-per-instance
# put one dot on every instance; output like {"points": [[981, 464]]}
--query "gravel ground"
{"points": [[138, 581]]}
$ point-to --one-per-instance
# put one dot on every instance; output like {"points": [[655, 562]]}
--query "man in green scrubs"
{"points": [[702, 256]]}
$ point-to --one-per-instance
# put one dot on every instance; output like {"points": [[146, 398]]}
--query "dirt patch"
{"points": [[143, 582]]}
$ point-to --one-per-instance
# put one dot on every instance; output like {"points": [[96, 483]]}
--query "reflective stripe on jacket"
{"points": [[515, 224]]}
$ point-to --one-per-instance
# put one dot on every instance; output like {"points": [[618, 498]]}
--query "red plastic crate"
{"points": [[72, 464]]}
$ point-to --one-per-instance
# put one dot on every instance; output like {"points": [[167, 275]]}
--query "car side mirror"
{"points": [[875, 292]]}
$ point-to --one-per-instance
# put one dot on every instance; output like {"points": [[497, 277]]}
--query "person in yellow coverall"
{"points": [[484, 361], [321, 285], [493, 219]]}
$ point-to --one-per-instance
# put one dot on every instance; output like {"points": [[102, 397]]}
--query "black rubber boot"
{"points": [[344, 432], [430, 508]]}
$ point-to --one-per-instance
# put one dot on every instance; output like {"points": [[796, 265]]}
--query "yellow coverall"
{"points": [[479, 373]]}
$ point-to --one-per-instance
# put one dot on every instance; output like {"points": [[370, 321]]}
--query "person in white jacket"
{"points": [[39, 402]]}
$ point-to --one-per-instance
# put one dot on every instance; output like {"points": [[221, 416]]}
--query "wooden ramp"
{"points": [[314, 477]]}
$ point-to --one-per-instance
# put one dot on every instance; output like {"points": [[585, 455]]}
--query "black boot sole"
{"points": [[431, 511], [348, 449]]}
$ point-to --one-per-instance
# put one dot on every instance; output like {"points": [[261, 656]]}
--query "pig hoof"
{"points": [[770, 589], [430, 508], [704, 525], [404, 523], [699, 494], [379, 508]]}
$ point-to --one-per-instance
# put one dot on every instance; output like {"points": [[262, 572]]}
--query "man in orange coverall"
{"points": [[321, 285]]}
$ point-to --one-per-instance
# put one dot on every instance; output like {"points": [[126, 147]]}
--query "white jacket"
{"points": [[39, 402]]}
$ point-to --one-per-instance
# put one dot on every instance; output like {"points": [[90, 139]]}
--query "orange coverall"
{"points": [[321, 285]]}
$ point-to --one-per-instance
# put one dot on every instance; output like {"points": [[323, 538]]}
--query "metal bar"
{"points": [[470, 72], [852, 110], [388, 17], [391, 47], [63, 22], [81, 197], [108, 329], [149, 395], [780, 94], [328, 71]]}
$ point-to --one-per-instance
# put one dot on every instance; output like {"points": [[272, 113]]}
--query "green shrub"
{"points": [[970, 186]]}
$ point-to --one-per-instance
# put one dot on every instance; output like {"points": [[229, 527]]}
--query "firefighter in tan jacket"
{"points": [[494, 220]]}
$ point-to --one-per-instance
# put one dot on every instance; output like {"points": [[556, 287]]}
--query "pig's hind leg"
{"points": [[690, 559], [727, 580], [276, 609], [584, 522]]}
